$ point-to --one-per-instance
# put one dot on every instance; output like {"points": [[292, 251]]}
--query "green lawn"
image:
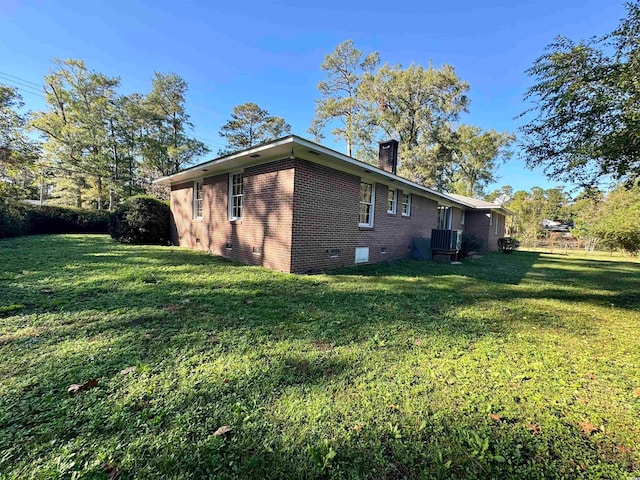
{"points": [[509, 366]]}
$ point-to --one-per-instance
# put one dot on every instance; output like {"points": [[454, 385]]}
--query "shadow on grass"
{"points": [[359, 364]]}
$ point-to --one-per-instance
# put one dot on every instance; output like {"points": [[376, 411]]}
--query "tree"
{"points": [[586, 99], [417, 106], [340, 98], [584, 212], [251, 125], [476, 157], [80, 106], [167, 147], [615, 222], [18, 152]]}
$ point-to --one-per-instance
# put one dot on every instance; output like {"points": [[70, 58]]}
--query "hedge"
{"points": [[19, 219]]}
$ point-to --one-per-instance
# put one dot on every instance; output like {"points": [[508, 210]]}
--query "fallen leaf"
{"points": [[186, 300], [112, 471], [417, 342], [588, 428], [534, 428], [128, 370], [46, 291], [392, 407], [222, 430], [591, 376], [495, 416], [80, 387], [637, 392], [247, 301], [623, 449], [357, 427]]}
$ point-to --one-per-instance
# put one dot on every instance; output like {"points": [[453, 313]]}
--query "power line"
{"points": [[21, 79], [22, 88]]}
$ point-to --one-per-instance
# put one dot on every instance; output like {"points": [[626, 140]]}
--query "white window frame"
{"points": [[394, 202], [372, 204], [406, 196], [463, 215], [197, 203], [448, 219], [497, 222], [232, 196]]}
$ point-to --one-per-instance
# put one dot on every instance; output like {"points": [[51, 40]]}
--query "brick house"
{"points": [[296, 206]]}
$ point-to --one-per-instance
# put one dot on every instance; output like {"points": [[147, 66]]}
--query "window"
{"points": [[406, 204], [497, 223], [235, 196], [197, 199], [367, 199], [393, 199], [462, 217], [444, 217], [362, 254]]}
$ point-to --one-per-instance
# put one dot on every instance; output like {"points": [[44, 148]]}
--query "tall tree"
{"points": [[477, 154], [251, 125], [18, 152], [417, 106], [80, 105], [167, 145], [340, 98], [586, 98]]}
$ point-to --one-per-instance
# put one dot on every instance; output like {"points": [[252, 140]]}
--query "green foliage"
{"points": [[380, 371], [585, 98], [471, 243], [341, 98], [251, 125], [617, 222], [17, 219], [476, 156], [531, 207], [49, 219], [416, 105], [141, 220], [14, 220], [18, 152], [508, 244], [101, 146]]}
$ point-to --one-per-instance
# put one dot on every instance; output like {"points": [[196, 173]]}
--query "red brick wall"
{"points": [[478, 222], [325, 217], [266, 217], [456, 218]]}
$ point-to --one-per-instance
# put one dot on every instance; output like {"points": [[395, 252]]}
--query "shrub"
{"points": [[508, 244], [470, 243], [142, 220], [20, 219], [49, 219], [13, 219]]}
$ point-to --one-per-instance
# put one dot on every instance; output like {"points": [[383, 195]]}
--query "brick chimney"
{"points": [[388, 156]]}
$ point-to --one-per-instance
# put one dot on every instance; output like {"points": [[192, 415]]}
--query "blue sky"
{"points": [[270, 52]]}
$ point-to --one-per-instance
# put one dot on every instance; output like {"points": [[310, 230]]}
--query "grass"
{"points": [[508, 366]]}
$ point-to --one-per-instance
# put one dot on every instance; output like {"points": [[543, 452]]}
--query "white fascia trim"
{"points": [[223, 160]]}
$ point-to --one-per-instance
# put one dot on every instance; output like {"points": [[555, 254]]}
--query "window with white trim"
{"points": [[235, 196], [462, 217], [392, 201], [444, 217], [367, 202], [497, 222], [197, 199], [406, 204]]}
